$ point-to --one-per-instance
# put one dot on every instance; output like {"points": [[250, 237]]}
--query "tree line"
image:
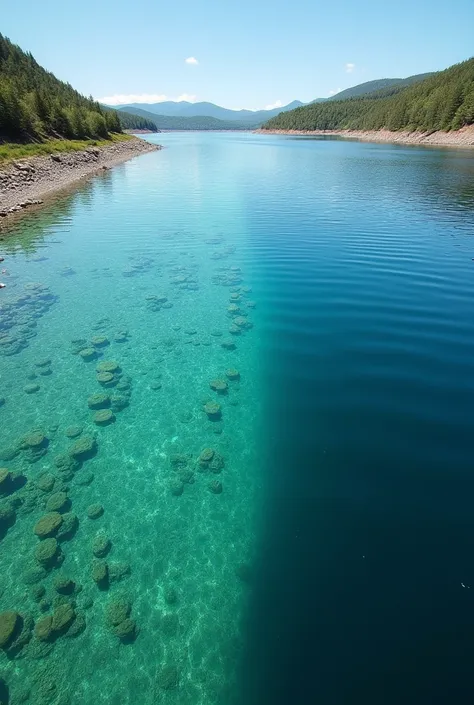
{"points": [[443, 101], [35, 105]]}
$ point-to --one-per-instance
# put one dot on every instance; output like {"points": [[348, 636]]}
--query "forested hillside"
{"points": [[444, 101], [35, 105], [129, 121], [379, 85]]}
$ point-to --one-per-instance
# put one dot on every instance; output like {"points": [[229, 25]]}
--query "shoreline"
{"points": [[28, 182], [463, 138]]}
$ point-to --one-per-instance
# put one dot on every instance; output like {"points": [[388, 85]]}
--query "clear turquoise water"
{"points": [[344, 522]]}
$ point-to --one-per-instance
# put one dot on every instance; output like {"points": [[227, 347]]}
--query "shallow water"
{"points": [[334, 559]]}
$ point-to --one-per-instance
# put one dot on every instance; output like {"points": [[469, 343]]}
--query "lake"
{"points": [[238, 377]]}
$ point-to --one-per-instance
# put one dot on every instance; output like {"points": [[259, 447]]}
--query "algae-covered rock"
{"points": [[9, 626], [44, 628], [77, 627], [213, 410], [117, 611], [73, 431], [38, 592], [63, 617], [219, 385], [100, 574], [34, 440], [206, 455], [85, 478], [31, 388], [126, 631], [119, 402], [9, 453], [105, 378], [94, 511], [104, 417], [7, 515], [63, 584], [167, 677], [84, 448], [58, 502], [100, 341], [228, 344], [66, 464], [101, 545], [108, 366], [232, 374], [45, 482], [46, 362], [69, 526], [34, 575], [101, 400], [46, 552], [48, 525], [118, 570], [88, 354], [215, 487]]}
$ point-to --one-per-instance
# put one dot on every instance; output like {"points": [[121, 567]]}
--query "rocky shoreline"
{"points": [[459, 138], [26, 183]]}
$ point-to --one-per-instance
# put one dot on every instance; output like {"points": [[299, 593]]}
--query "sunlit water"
{"points": [[335, 556]]}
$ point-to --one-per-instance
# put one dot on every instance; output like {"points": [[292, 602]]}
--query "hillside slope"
{"points": [[444, 101], [378, 85], [35, 105]]}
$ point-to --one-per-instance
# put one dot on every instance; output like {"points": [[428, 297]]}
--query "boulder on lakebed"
{"points": [[84, 448], [48, 525]]}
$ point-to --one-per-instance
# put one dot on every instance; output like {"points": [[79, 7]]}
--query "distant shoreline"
{"points": [[26, 183], [463, 138]]}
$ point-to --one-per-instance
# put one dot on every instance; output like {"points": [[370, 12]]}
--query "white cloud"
{"points": [[333, 92], [350, 68], [191, 60], [143, 98], [276, 104]]}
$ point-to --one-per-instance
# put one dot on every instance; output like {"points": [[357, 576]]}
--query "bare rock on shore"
{"points": [[26, 182]]}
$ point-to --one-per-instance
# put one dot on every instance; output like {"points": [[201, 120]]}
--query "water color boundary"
{"points": [[459, 138], [25, 183]]}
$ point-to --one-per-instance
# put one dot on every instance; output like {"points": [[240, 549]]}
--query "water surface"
{"points": [[335, 565]]}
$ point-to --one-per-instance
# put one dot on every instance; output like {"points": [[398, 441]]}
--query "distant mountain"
{"points": [[185, 109], [199, 122], [381, 83]]}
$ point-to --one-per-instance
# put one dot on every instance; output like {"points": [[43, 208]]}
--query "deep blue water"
{"points": [[336, 566]]}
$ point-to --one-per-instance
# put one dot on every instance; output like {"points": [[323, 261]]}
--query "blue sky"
{"points": [[248, 54]]}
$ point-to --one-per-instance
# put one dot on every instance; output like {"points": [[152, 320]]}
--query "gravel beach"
{"points": [[25, 183], [457, 138]]}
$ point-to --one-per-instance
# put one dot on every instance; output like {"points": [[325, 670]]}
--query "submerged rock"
{"points": [[213, 410], [58, 502], [31, 388], [101, 400], [104, 417], [219, 385], [84, 448], [73, 431], [215, 487], [48, 525], [47, 552], [232, 374], [9, 624], [168, 677], [101, 545], [94, 511]]}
